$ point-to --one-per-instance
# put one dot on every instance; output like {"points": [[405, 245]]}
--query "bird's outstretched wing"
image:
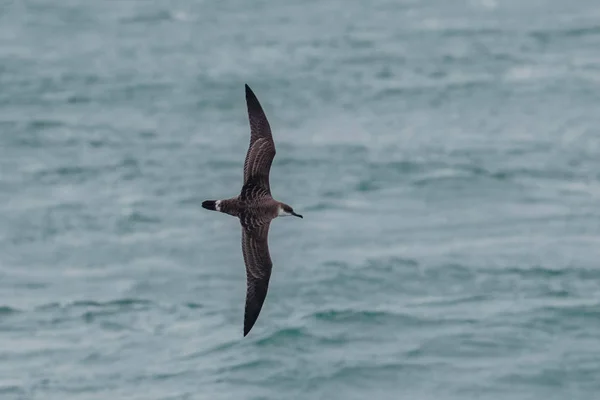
{"points": [[262, 148], [255, 248]]}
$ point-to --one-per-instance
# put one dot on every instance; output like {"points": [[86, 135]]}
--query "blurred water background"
{"points": [[445, 155]]}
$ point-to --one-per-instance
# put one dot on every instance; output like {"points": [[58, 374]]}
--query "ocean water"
{"points": [[445, 156]]}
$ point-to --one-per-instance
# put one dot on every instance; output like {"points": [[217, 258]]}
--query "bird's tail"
{"points": [[210, 204]]}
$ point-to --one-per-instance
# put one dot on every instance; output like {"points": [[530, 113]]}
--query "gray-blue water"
{"points": [[445, 155]]}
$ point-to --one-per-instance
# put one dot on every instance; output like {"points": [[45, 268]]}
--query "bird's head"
{"points": [[285, 210]]}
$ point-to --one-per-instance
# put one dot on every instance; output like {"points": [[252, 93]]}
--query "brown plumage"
{"points": [[255, 208]]}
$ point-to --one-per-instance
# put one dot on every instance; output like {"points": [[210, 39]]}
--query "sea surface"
{"points": [[445, 156]]}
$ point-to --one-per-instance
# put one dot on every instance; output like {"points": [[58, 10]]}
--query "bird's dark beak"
{"points": [[297, 215]]}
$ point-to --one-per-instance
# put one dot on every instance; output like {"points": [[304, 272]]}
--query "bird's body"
{"points": [[252, 213], [255, 208]]}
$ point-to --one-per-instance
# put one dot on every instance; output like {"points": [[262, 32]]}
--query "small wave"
{"points": [[335, 264], [156, 16], [89, 311], [366, 371], [390, 263], [66, 171], [78, 173], [367, 185], [571, 311], [537, 173], [349, 315], [148, 134], [6, 310], [405, 166], [435, 86], [41, 124], [366, 317], [126, 302], [584, 31], [545, 276], [8, 389], [127, 223], [111, 308], [169, 375], [248, 365], [298, 162], [459, 173], [78, 99], [451, 300], [118, 303], [215, 349], [192, 200], [380, 173], [470, 32], [557, 317], [222, 164], [137, 217], [282, 335], [322, 206], [48, 306], [537, 271], [547, 35]]}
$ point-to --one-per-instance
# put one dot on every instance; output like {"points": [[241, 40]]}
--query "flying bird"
{"points": [[255, 208]]}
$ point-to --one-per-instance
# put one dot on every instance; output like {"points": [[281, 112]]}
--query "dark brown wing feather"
{"points": [[258, 271], [254, 190], [262, 148]]}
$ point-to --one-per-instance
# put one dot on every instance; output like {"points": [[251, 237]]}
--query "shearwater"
{"points": [[256, 209]]}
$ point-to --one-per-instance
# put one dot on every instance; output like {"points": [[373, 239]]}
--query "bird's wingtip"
{"points": [[252, 100], [249, 93], [209, 204], [248, 325]]}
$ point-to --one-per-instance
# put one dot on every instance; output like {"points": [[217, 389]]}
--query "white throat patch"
{"points": [[283, 213], [218, 205]]}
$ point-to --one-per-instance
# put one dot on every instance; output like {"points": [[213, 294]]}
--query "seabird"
{"points": [[256, 209]]}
